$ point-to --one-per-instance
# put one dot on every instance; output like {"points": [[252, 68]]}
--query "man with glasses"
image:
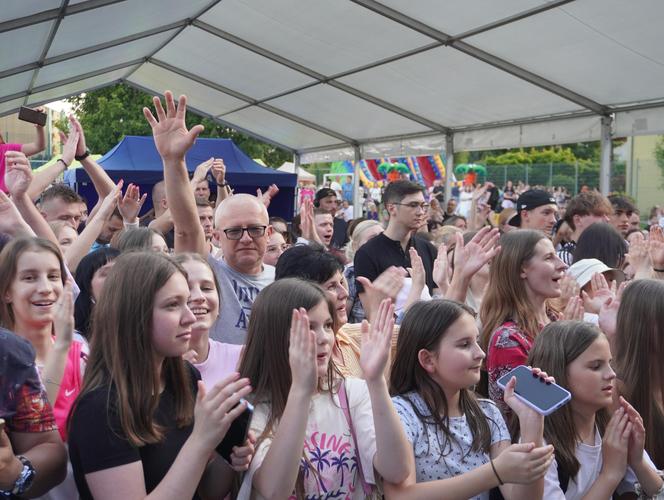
{"points": [[243, 231], [404, 201]]}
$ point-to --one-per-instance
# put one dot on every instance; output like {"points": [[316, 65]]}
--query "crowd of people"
{"points": [[368, 351]]}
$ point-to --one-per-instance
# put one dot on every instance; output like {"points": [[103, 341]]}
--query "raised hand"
{"points": [[307, 223], [416, 272], [70, 147], [219, 170], [468, 259], [441, 269], [75, 125], [10, 466], [216, 409], [656, 247], [130, 205], [63, 321], [386, 286], [200, 173], [639, 259], [267, 196], [169, 130], [523, 463], [302, 354], [615, 445], [601, 293], [376, 342], [18, 173], [637, 439], [574, 309], [10, 218], [608, 313]]}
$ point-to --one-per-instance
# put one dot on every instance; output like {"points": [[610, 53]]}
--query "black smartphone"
{"points": [[32, 116], [533, 391], [237, 433]]}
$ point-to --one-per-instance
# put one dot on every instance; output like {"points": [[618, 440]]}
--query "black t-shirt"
{"points": [[381, 252], [97, 442]]}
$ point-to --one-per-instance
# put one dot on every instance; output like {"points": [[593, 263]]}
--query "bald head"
{"points": [[159, 198], [240, 204], [243, 211]]}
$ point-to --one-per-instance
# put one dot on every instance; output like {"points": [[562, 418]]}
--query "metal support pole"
{"points": [[357, 199], [504, 175], [550, 174], [296, 169], [527, 183], [449, 167], [605, 156], [576, 177]]}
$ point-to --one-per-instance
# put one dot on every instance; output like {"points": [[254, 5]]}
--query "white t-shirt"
{"points": [[590, 460], [431, 461], [329, 446]]}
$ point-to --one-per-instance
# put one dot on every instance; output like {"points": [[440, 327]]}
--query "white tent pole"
{"points": [[357, 201], [605, 156], [449, 167], [296, 168]]}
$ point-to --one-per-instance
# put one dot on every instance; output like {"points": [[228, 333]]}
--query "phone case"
{"points": [[541, 411], [237, 433]]}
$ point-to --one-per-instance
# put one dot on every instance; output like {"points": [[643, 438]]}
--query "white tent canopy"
{"points": [[302, 174], [344, 79]]}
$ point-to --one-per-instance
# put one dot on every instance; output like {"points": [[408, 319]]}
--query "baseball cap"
{"points": [[529, 200], [583, 270]]}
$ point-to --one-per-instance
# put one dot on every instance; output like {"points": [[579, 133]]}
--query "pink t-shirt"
{"points": [[72, 381], [3, 149], [222, 360]]}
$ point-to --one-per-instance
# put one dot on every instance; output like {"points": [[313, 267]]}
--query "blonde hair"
{"points": [[356, 236]]}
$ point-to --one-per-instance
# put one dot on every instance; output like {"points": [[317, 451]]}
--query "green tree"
{"points": [[659, 157], [108, 114]]}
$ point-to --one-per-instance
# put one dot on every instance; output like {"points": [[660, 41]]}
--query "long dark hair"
{"points": [[639, 347], [265, 360], [85, 271], [423, 327], [603, 242], [122, 357], [557, 345]]}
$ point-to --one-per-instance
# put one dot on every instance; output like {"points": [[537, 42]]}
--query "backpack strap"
{"points": [[343, 399]]}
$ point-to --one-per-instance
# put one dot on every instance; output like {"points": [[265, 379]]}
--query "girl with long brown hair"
{"points": [[37, 304], [460, 443], [597, 451], [639, 349], [144, 424], [348, 426], [523, 277]]}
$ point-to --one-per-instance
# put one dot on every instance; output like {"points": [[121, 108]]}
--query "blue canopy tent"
{"points": [[135, 159]]}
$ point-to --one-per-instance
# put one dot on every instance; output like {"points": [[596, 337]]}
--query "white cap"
{"points": [[583, 270]]}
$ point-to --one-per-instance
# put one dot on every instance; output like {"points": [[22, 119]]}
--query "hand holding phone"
{"points": [[237, 433], [32, 116], [542, 396]]}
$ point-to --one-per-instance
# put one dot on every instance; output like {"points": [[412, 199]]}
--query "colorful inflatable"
{"points": [[422, 169]]}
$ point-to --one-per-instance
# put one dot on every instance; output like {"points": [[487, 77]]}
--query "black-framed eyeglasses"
{"points": [[414, 205], [236, 233]]}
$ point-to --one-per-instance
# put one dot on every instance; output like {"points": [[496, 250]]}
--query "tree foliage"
{"points": [[110, 113], [659, 157]]}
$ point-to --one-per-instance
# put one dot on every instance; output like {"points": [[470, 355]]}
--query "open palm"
{"points": [[376, 341], [169, 130]]}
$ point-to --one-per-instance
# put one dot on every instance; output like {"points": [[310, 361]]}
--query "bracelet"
{"points": [[63, 162], [223, 184], [658, 270], [500, 481], [83, 156]]}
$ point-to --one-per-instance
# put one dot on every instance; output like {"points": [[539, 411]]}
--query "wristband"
{"points": [[83, 156], [500, 481], [658, 270], [63, 162], [223, 184]]}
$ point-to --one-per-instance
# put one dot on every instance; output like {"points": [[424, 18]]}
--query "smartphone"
{"points": [[237, 432], [32, 116], [533, 391]]}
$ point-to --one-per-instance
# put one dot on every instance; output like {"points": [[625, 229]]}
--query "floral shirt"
{"points": [[330, 458], [23, 402], [508, 348]]}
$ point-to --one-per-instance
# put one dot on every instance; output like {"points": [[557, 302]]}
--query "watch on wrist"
{"points": [[222, 184], [83, 156], [24, 480]]}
